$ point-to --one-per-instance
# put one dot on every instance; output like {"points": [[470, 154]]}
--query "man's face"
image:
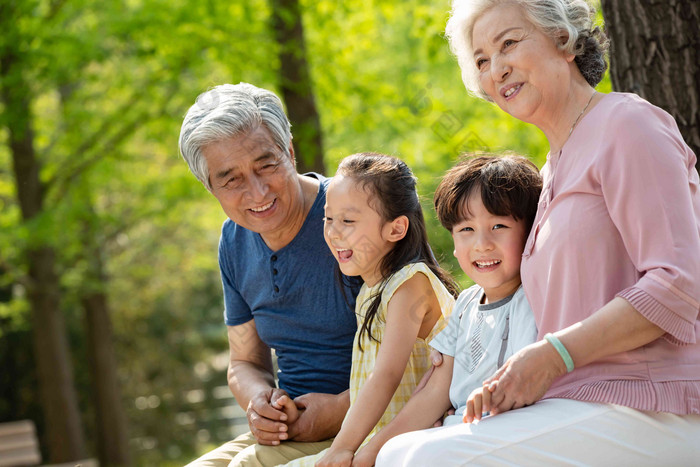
{"points": [[255, 182]]}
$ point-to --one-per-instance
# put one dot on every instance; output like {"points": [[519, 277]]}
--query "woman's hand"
{"points": [[477, 401], [524, 378]]}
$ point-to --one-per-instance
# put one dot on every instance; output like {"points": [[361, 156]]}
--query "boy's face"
{"points": [[489, 249]]}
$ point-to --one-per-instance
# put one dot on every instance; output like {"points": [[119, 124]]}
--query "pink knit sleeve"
{"points": [[650, 187]]}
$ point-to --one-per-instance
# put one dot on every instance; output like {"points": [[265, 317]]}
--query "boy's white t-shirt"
{"points": [[476, 337]]}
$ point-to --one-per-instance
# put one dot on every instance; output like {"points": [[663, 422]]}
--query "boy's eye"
{"points": [[499, 226], [466, 229]]}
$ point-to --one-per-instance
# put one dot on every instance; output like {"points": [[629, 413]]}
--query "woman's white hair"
{"points": [[553, 17], [226, 111]]}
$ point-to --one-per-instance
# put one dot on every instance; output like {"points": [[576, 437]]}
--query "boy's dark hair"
{"points": [[509, 186], [392, 189]]}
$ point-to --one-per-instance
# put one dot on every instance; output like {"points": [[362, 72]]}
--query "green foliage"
{"points": [[110, 82]]}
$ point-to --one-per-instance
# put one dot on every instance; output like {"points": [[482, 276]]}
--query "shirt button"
{"points": [[274, 258], [274, 272], [277, 289]]}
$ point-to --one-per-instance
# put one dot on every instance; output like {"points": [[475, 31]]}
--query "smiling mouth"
{"points": [[487, 264], [511, 91], [264, 207], [344, 254]]}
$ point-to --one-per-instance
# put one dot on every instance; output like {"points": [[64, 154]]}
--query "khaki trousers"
{"points": [[244, 451]]}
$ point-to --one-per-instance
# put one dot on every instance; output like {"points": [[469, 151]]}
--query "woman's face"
{"points": [[519, 67]]}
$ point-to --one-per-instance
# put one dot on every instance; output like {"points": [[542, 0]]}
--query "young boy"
{"points": [[488, 204]]}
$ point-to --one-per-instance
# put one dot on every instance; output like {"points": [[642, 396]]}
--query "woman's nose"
{"points": [[500, 69]]}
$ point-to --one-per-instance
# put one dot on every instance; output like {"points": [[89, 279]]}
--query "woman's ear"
{"points": [[560, 41], [396, 229]]}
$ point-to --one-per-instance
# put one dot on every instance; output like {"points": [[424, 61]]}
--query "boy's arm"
{"points": [[405, 312], [420, 412]]}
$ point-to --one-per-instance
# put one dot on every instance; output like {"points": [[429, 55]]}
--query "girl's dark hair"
{"points": [[392, 192], [509, 186]]}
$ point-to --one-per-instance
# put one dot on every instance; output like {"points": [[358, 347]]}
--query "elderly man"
{"points": [[280, 290]]}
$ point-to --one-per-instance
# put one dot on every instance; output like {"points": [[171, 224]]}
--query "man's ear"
{"points": [[396, 229], [291, 153]]}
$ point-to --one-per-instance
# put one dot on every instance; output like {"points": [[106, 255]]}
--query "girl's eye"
{"points": [[348, 221], [327, 220]]}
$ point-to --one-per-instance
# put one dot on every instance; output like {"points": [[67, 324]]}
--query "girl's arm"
{"points": [[419, 413], [410, 304]]}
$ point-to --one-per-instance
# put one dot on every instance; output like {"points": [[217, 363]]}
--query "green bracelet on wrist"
{"points": [[568, 361]]}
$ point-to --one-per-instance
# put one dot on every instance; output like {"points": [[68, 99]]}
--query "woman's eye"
{"points": [[507, 43], [480, 63]]}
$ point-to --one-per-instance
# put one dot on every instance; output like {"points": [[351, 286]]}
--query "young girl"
{"points": [[374, 226]]}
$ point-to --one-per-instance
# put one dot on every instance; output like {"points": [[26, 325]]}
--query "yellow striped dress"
{"points": [[363, 362]]}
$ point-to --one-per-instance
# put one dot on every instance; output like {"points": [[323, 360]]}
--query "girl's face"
{"points": [[489, 249], [354, 231], [519, 67]]}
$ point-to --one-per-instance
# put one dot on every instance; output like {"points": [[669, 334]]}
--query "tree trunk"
{"points": [[296, 86], [59, 400], [112, 441], [110, 421], [655, 53]]}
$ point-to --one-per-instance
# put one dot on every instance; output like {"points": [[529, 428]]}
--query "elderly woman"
{"points": [[611, 267]]}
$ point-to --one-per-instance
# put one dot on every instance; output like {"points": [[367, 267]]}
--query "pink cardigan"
{"points": [[619, 215]]}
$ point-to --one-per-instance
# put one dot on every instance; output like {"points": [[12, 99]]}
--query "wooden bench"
{"points": [[19, 444]]}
